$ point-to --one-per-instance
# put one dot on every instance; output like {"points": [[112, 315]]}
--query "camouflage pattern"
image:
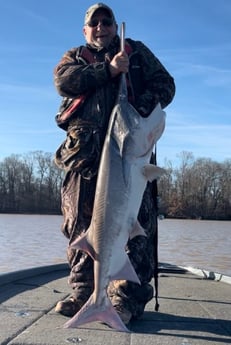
{"points": [[148, 84], [91, 11]]}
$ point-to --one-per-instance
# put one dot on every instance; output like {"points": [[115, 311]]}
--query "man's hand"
{"points": [[119, 64]]}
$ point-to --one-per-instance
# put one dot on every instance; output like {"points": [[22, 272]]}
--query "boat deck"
{"points": [[193, 310]]}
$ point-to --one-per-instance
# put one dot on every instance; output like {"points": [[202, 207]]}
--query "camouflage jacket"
{"points": [[148, 83]]}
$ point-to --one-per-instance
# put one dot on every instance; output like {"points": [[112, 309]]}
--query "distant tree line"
{"points": [[197, 188], [30, 183]]}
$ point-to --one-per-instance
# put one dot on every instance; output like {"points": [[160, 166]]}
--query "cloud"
{"points": [[26, 92], [211, 75], [24, 12], [210, 141], [210, 59]]}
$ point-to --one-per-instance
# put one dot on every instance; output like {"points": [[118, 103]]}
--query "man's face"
{"points": [[100, 30]]}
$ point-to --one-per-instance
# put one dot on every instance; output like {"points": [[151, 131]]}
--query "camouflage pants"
{"points": [[77, 204]]}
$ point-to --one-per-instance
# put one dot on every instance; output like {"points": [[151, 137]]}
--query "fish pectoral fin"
{"points": [[152, 172], [103, 312], [83, 243], [137, 230], [127, 272]]}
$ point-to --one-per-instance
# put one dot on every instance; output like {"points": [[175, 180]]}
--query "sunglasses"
{"points": [[93, 23]]}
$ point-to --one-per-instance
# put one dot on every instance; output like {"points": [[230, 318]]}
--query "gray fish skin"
{"points": [[123, 173]]}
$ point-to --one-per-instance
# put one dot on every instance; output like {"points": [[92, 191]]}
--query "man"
{"points": [[90, 76]]}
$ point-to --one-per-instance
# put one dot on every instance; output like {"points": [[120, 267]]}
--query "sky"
{"points": [[192, 39]]}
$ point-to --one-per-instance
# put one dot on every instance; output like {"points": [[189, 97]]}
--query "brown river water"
{"points": [[35, 240]]}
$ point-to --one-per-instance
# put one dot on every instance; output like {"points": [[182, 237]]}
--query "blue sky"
{"points": [[191, 38]]}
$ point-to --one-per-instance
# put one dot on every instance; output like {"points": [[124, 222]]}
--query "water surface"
{"points": [[35, 240]]}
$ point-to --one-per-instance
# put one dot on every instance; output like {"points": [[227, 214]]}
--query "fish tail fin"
{"points": [[103, 312]]}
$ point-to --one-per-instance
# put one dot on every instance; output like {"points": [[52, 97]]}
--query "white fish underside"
{"points": [[123, 173]]}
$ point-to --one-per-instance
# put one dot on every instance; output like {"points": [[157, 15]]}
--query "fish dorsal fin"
{"points": [[83, 243]]}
